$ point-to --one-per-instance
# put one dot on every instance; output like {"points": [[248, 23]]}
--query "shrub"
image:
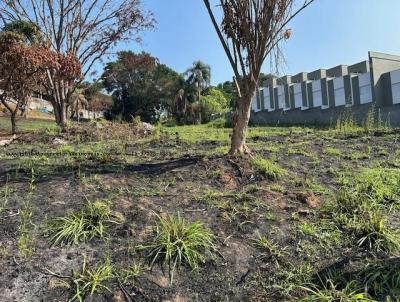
{"points": [[268, 168], [177, 242]]}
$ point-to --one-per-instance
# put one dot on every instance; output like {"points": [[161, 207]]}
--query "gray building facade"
{"points": [[320, 96]]}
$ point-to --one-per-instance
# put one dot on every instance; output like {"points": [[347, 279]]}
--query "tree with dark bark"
{"points": [[87, 29], [250, 31]]}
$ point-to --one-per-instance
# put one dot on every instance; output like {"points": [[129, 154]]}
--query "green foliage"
{"points": [[178, 242], [140, 87], [89, 281], [218, 123], [214, 103], [268, 168], [92, 221], [29, 30]]}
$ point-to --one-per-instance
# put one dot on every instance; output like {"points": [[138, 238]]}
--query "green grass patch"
{"points": [[268, 168], [92, 221], [178, 242], [331, 151]]}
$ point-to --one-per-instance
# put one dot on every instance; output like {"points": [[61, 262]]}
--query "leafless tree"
{"points": [[250, 30], [87, 29]]}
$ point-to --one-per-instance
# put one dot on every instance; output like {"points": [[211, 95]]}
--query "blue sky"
{"points": [[329, 33]]}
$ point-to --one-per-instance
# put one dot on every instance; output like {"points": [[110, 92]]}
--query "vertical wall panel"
{"points": [[364, 82], [340, 95], [298, 95], [395, 81], [317, 93]]}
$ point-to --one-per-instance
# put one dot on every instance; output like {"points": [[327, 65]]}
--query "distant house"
{"points": [[320, 96]]}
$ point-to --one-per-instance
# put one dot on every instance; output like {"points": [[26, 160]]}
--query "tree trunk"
{"points": [[57, 114], [63, 116], [13, 123], [199, 101], [240, 122]]}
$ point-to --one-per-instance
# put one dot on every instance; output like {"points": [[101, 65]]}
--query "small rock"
{"points": [[59, 141], [6, 142]]}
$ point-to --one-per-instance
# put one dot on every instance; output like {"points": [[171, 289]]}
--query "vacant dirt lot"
{"points": [[291, 223]]}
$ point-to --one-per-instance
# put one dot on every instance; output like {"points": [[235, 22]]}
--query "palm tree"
{"points": [[200, 75]]}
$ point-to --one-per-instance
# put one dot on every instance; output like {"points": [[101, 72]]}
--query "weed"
{"points": [[253, 188], [270, 169], [5, 192], [307, 229], [375, 235], [268, 247], [125, 275], [278, 188], [178, 242], [92, 221], [288, 281], [66, 149], [209, 196], [381, 279], [272, 149], [330, 292], [25, 240], [331, 151], [215, 174], [89, 281]]}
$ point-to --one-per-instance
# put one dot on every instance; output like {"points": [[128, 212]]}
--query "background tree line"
{"points": [[143, 87]]}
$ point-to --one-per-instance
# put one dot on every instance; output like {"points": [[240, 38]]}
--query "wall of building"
{"points": [[327, 117], [321, 96], [381, 64]]}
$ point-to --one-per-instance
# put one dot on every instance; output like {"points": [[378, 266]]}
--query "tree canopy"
{"points": [[140, 86]]}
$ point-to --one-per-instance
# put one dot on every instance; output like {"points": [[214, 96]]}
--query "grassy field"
{"points": [[27, 125], [313, 215]]}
